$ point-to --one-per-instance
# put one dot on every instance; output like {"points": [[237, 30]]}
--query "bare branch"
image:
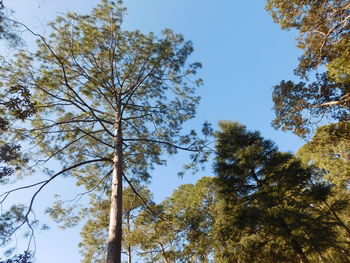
{"points": [[7, 193], [95, 138], [163, 142]]}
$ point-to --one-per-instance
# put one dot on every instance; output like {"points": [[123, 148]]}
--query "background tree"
{"points": [[109, 101], [94, 233], [276, 199], [15, 105], [323, 28], [263, 205], [8, 28], [15, 102], [181, 228], [328, 151]]}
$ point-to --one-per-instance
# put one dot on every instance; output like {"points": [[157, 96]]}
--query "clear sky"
{"points": [[243, 55]]}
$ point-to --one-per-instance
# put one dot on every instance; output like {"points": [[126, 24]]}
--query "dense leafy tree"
{"points": [[262, 206], [323, 28], [108, 101], [274, 198], [328, 151], [181, 230]]}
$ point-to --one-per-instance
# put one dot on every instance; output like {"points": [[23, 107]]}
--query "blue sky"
{"points": [[243, 55]]}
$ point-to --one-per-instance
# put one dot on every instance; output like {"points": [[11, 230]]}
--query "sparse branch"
{"points": [[63, 148], [163, 251], [62, 99], [145, 202], [143, 68], [138, 194], [68, 122], [65, 77], [89, 78], [7, 193], [329, 33], [92, 189], [44, 183], [137, 117], [95, 138], [134, 88], [163, 142]]}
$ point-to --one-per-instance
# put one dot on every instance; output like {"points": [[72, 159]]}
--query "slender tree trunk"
{"points": [[115, 217], [129, 254], [129, 230]]}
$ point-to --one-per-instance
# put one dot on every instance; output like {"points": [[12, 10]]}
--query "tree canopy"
{"points": [[323, 28], [262, 205], [270, 198], [108, 101], [106, 106]]}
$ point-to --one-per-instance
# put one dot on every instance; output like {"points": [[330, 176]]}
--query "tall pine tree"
{"points": [[109, 103]]}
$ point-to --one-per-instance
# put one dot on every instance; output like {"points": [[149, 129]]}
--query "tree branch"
{"points": [[163, 142]]}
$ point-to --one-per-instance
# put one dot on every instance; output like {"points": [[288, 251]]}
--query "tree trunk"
{"points": [[129, 230], [115, 217], [129, 254]]}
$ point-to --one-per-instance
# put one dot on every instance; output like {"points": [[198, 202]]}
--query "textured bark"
{"points": [[115, 220]]}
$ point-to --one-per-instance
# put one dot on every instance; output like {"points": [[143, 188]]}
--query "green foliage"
{"points": [[270, 199], [15, 105], [91, 78], [180, 230], [177, 230], [323, 28], [95, 230], [329, 150], [299, 106], [88, 69], [263, 206]]}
